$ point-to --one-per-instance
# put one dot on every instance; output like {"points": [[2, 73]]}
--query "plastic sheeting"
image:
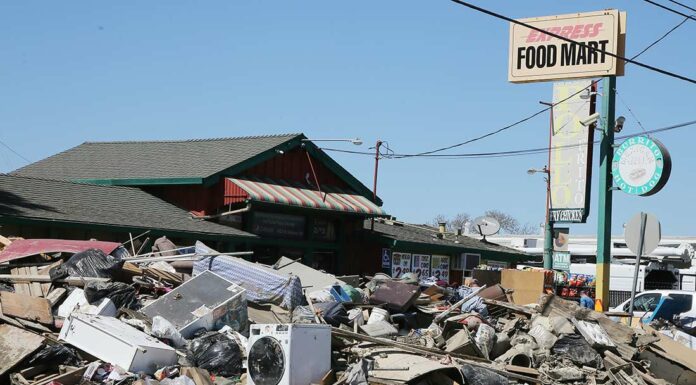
{"points": [[89, 263], [262, 283], [216, 353]]}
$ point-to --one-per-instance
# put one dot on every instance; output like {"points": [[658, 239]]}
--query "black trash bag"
{"points": [[333, 312], [578, 350], [55, 355], [88, 263], [215, 353], [121, 294], [475, 375]]}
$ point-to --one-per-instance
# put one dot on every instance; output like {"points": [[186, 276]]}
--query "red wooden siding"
{"points": [[294, 165], [197, 199], [233, 193]]}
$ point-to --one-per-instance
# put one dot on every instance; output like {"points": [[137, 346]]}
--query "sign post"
{"points": [[606, 152], [642, 237]]}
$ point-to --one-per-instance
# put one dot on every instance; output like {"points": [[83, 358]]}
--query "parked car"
{"points": [[646, 302]]}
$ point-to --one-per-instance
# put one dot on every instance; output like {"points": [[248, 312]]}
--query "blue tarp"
{"points": [[262, 283]]}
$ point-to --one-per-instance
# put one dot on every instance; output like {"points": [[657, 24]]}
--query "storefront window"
{"points": [[324, 230], [279, 225]]}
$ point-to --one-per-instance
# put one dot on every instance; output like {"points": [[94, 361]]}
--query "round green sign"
{"points": [[641, 166]]}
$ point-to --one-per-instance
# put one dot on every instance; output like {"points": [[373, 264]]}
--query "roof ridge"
{"points": [[289, 135]]}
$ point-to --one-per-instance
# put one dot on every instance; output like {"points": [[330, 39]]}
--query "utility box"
{"points": [[116, 342], [206, 301]]}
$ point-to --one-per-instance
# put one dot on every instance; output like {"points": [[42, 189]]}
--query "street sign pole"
{"points": [[606, 152], [639, 254]]}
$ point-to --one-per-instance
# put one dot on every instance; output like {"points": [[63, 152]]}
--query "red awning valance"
{"points": [[302, 195]]}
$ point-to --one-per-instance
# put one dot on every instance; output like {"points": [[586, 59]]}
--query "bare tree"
{"points": [[508, 224], [451, 225]]}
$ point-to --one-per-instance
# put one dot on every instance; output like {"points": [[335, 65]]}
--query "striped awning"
{"points": [[301, 195]]}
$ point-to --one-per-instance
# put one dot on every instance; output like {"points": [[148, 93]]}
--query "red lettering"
{"points": [[576, 31], [532, 37], [586, 32], [566, 31], [596, 29], [554, 30]]}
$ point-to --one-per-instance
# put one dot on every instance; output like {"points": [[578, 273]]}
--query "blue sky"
{"points": [[418, 74]]}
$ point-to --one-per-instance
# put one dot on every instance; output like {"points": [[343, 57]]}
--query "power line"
{"points": [[528, 151], [683, 5], [669, 9], [629, 110], [627, 60], [14, 152], [547, 108]]}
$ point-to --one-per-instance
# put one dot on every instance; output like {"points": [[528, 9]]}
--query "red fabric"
{"points": [[27, 247]]}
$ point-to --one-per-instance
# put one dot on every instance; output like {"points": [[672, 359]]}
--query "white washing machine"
{"points": [[288, 354]]}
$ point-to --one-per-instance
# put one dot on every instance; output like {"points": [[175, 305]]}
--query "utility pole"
{"points": [[374, 186], [606, 153], [548, 227]]}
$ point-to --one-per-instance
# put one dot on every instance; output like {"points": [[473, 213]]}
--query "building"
{"points": [[280, 195], [43, 208], [437, 253], [298, 201]]}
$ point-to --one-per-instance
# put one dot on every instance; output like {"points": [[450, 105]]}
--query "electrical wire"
{"points": [[683, 5], [557, 36], [14, 152], [666, 8], [649, 46], [630, 111], [529, 151]]}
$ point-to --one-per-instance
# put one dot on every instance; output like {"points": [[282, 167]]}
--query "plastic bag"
{"points": [[333, 313], [121, 294], [181, 380], [57, 354], [163, 329], [578, 350], [485, 336], [88, 263], [479, 375], [215, 353]]}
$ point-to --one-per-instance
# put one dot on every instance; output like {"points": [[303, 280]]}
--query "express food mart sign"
{"points": [[537, 56]]}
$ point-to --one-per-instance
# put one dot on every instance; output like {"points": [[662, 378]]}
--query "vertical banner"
{"points": [[401, 264], [386, 259], [421, 265], [440, 267], [571, 151]]}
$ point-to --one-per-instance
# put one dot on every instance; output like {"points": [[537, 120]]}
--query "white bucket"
{"points": [[378, 315]]}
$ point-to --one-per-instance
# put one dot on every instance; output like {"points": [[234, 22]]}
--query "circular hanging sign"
{"points": [[641, 166]]}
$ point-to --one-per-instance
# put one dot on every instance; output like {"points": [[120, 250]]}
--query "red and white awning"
{"points": [[301, 195]]}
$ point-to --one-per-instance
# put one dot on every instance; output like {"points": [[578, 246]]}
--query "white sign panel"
{"points": [[536, 56], [421, 265], [570, 162], [401, 264], [440, 267]]}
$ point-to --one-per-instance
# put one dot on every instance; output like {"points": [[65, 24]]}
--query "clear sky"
{"points": [[418, 74]]}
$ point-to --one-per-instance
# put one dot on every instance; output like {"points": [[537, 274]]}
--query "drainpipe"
{"points": [[226, 213]]}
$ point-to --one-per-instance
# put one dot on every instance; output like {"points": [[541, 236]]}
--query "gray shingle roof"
{"points": [[422, 234], [199, 158], [125, 207]]}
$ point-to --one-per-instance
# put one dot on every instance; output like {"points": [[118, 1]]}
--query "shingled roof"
{"points": [[180, 161], [61, 202], [405, 232]]}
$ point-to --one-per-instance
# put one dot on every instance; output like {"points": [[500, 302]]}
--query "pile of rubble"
{"points": [[74, 312]]}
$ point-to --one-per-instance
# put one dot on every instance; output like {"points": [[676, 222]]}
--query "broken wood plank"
{"points": [[16, 344], [510, 306], [26, 307], [34, 287], [55, 295], [20, 287]]}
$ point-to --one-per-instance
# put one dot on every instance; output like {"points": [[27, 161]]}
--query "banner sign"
{"points": [[401, 264], [570, 162], [440, 267], [386, 259], [421, 265], [536, 56], [561, 260]]}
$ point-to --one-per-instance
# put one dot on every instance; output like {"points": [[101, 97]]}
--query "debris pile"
{"points": [[89, 312]]}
